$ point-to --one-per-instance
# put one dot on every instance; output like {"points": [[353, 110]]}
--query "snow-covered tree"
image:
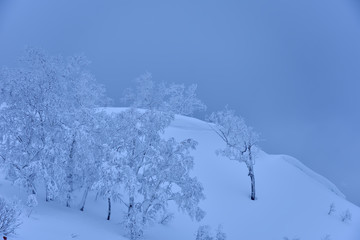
{"points": [[239, 138], [110, 176], [45, 105], [145, 172], [92, 152], [9, 217], [86, 148], [204, 233], [220, 235], [54, 135], [175, 98], [31, 203]]}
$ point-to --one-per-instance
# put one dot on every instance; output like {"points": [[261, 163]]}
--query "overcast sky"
{"points": [[290, 68]]}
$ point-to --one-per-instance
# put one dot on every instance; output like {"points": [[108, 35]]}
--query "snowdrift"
{"points": [[293, 201]]}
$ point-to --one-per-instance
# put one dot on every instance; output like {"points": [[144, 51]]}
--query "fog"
{"points": [[290, 68]]}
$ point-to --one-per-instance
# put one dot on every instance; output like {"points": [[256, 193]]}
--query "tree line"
{"points": [[57, 139]]}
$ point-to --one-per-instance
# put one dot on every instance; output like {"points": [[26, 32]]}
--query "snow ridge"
{"points": [[189, 123], [317, 177]]}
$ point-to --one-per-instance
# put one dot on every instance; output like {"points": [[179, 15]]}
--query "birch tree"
{"points": [[240, 139], [145, 172], [46, 104], [174, 98]]}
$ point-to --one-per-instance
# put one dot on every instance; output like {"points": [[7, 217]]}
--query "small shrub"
{"points": [[346, 216], [9, 217], [205, 233], [331, 209]]}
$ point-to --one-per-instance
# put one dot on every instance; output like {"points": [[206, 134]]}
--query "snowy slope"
{"points": [[293, 201]]}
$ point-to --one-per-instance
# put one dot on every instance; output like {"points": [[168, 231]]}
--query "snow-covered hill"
{"points": [[293, 201]]}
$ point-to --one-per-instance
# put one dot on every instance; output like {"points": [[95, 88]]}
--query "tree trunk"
{"points": [[135, 232], [252, 178], [70, 169], [109, 209], [47, 197], [83, 200], [131, 205], [251, 174], [68, 198]]}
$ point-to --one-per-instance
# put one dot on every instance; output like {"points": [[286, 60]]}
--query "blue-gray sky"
{"points": [[290, 68]]}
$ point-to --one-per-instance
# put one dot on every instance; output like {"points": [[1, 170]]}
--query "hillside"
{"points": [[293, 201]]}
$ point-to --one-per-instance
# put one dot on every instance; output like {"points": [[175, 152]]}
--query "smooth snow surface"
{"points": [[293, 201]]}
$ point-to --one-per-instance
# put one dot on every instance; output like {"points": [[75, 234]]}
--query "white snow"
{"points": [[312, 174], [293, 201]]}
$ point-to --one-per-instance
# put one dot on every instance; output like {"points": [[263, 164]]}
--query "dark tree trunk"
{"points": [[68, 199], [131, 205], [109, 209], [250, 166], [70, 169], [83, 200], [48, 196], [252, 178]]}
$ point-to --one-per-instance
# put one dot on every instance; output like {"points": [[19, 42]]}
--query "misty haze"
{"points": [[157, 120]]}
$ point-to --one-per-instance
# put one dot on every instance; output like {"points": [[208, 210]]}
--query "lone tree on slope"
{"points": [[239, 138]]}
